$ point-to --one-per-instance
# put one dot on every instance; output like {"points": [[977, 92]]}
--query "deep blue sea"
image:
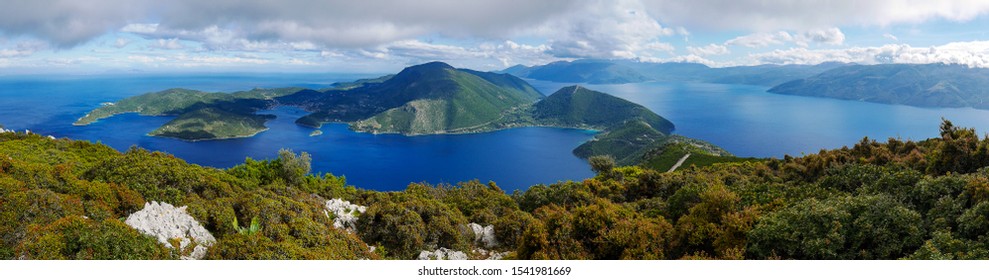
{"points": [[745, 120], [748, 121], [514, 158]]}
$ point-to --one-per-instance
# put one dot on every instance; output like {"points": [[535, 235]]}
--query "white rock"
{"points": [[344, 213], [490, 255], [442, 254], [165, 222], [484, 235], [51, 137]]}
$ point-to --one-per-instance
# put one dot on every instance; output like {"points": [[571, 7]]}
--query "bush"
{"points": [[75, 237], [860, 227]]}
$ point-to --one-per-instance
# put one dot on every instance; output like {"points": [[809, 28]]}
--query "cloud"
{"points": [[606, 29], [890, 36], [765, 16], [712, 49], [486, 56], [167, 44], [120, 43], [971, 54], [759, 40], [682, 59], [22, 49], [67, 23], [334, 23], [829, 36]]}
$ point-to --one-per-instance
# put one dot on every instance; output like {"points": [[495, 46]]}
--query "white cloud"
{"points": [[759, 40], [971, 54], [682, 59], [712, 49], [485, 56], [167, 44], [829, 36], [22, 48], [890, 36], [120, 43], [764, 16], [606, 29]]}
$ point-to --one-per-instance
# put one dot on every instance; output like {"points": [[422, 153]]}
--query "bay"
{"points": [[514, 158], [750, 122]]}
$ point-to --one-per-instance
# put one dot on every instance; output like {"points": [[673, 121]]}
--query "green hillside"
{"points": [[423, 99], [65, 199], [576, 106], [922, 85], [199, 115], [212, 123], [698, 154], [166, 102]]}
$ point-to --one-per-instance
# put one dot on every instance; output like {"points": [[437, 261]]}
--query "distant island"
{"points": [[431, 98], [602, 71], [921, 85]]}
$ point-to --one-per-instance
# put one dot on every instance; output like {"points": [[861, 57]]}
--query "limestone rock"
{"points": [[442, 254], [166, 222], [344, 213], [484, 235], [489, 255]]}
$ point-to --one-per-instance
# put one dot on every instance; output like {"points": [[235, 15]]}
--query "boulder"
{"points": [[166, 222]]}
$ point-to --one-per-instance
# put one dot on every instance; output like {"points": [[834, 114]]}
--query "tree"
{"points": [[602, 164], [294, 167]]}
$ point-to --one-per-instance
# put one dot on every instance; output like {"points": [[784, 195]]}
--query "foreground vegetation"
{"points": [[64, 199]]}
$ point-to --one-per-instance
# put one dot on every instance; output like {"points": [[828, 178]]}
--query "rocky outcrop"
{"points": [[166, 222], [442, 254], [484, 235], [344, 213]]}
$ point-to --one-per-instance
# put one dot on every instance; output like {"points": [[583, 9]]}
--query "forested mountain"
{"points": [[629, 71], [66, 199], [578, 106], [423, 99], [923, 85]]}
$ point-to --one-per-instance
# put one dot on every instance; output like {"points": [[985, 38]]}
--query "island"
{"points": [[921, 85], [622, 71], [431, 98]]}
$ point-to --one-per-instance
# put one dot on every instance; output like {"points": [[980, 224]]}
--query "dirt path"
{"points": [[679, 162]]}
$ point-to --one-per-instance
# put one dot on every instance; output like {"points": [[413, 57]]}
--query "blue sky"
{"points": [[119, 36]]}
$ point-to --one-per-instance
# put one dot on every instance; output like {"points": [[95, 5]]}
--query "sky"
{"points": [[368, 36]]}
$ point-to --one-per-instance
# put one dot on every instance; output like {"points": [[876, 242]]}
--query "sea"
{"points": [[745, 120]]}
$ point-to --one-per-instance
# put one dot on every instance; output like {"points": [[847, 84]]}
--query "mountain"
{"points": [[580, 71], [423, 99], [199, 115], [578, 106], [768, 75], [212, 123], [922, 85], [627, 129], [631, 71]]}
